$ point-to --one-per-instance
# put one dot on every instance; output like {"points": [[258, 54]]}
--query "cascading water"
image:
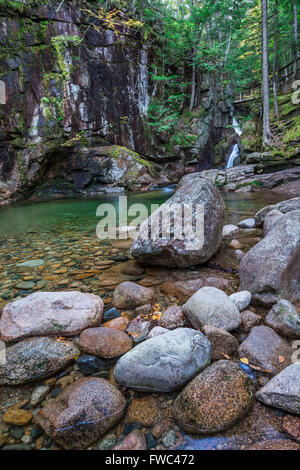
{"points": [[235, 149]]}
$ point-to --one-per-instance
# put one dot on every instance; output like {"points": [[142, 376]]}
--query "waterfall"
{"points": [[143, 83], [234, 153], [236, 126], [235, 149]]}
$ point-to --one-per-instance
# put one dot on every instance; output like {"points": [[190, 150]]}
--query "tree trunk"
{"points": [[297, 57], [267, 135], [275, 61]]}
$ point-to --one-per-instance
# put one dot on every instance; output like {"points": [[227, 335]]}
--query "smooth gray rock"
{"points": [[36, 359], [270, 270], [174, 252], [38, 395], [271, 219], [229, 231], [211, 306], [247, 223], [284, 319], [284, 207], [157, 331], [264, 348], [283, 391], [241, 299], [50, 313], [164, 363]]}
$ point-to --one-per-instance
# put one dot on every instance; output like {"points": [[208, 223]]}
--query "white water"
{"points": [[235, 150], [234, 153]]}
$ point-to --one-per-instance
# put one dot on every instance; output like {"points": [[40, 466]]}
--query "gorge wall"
{"points": [[71, 90]]}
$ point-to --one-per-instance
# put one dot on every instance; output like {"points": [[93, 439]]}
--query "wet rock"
{"points": [[82, 413], [107, 443], [270, 270], [18, 446], [182, 290], [247, 223], [111, 314], [173, 252], [38, 395], [90, 365], [130, 295], [275, 444], [120, 324], [221, 341], [138, 330], [132, 268], [143, 310], [219, 283], [211, 306], [249, 320], [50, 313], [169, 439], [241, 299], [172, 318], [160, 365], [284, 319], [34, 263], [239, 254], [17, 417], [229, 231], [145, 410], [104, 342], [284, 207], [270, 220], [283, 391], [150, 440], [36, 359], [133, 441], [156, 331], [291, 425], [215, 400], [265, 349]]}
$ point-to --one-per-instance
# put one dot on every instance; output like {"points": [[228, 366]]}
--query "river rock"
{"points": [[173, 252], [38, 395], [241, 299], [229, 231], [284, 318], [211, 306], [82, 413], [283, 391], [265, 349], [247, 223], [249, 320], [164, 363], [182, 290], [284, 207], [214, 400], [270, 220], [104, 342], [221, 342], [90, 365], [131, 295], [172, 318], [35, 359], [157, 331], [138, 330], [17, 417], [50, 313], [291, 425], [133, 441], [120, 323], [270, 270]]}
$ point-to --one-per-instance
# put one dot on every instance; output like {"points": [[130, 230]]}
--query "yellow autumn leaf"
{"points": [[244, 360]]}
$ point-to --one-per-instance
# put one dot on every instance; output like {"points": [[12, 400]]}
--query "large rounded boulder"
{"points": [[205, 219], [164, 363], [270, 270], [215, 400]]}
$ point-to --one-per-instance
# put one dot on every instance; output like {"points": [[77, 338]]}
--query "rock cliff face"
{"points": [[71, 90], [66, 84]]}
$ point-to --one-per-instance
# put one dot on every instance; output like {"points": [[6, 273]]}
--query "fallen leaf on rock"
{"points": [[244, 360]]}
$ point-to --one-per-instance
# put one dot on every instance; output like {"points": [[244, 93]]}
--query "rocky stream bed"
{"points": [[107, 352]]}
